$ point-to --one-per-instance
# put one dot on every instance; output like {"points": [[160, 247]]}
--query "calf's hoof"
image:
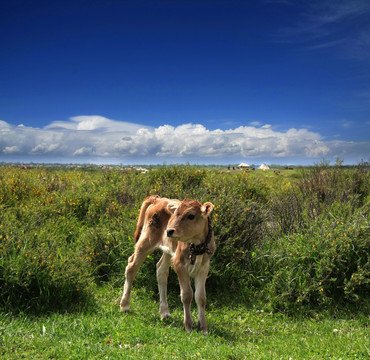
{"points": [[165, 316], [188, 327], [203, 329], [124, 309]]}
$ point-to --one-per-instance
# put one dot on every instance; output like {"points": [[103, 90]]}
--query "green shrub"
{"points": [[326, 265], [296, 241], [40, 270], [318, 252]]}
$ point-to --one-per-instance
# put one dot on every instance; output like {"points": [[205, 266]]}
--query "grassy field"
{"points": [[236, 332], [290, 277]]}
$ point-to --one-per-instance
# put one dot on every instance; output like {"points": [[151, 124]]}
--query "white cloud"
{"points": [[45, 148], [11, 150], [84, 151], [4, 125], [94, 123], [97, 137]]}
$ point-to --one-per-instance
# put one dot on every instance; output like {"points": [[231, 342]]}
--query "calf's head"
{"points": [[189, 219]]}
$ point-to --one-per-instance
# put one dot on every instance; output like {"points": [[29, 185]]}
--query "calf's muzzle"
{"points": [[170, 232]]}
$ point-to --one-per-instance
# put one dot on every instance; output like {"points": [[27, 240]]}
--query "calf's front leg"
{"points": [[186, 296], [200, 299]]}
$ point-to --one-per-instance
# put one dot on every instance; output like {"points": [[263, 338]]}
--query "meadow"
{"points": [[289, 279]]}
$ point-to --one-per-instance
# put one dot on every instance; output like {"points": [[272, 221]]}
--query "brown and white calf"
{"points": [[183, 231]]}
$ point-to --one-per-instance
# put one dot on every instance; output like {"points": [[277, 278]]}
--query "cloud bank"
{"points": [[102, 140]]}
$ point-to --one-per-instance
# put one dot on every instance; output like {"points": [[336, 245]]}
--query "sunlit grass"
{"points": [[235, 332]]}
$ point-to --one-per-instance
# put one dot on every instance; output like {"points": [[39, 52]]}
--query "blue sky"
{"points": [[109, 81]]}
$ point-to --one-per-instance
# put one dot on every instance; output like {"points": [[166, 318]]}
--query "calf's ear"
{"points": [[207, 208], [172, 207]]}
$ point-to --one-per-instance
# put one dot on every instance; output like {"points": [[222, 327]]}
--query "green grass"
{"points": [[235, 332], [290, 277]]}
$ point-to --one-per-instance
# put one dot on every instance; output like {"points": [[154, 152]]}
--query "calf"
{"points": [[183, 231]]}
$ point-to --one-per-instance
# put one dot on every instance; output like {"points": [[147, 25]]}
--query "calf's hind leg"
{"points": [[163, 266], [134, 263]]}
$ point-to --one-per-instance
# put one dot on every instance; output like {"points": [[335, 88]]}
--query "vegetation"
{"points": [[235, 332], [291, 243]]}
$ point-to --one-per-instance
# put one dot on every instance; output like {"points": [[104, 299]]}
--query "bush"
{"points": [[40, 270], [325, 265], [318, 252], [54, 242], [297, 241]]}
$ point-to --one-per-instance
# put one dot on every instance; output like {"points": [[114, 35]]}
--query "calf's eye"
{"points": [[191, 217]]}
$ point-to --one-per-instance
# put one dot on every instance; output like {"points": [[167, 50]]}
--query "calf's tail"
{"points": [[144, 206]]}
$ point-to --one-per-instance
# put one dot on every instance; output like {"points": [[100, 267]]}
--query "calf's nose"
{"points": [[170, 232]]}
